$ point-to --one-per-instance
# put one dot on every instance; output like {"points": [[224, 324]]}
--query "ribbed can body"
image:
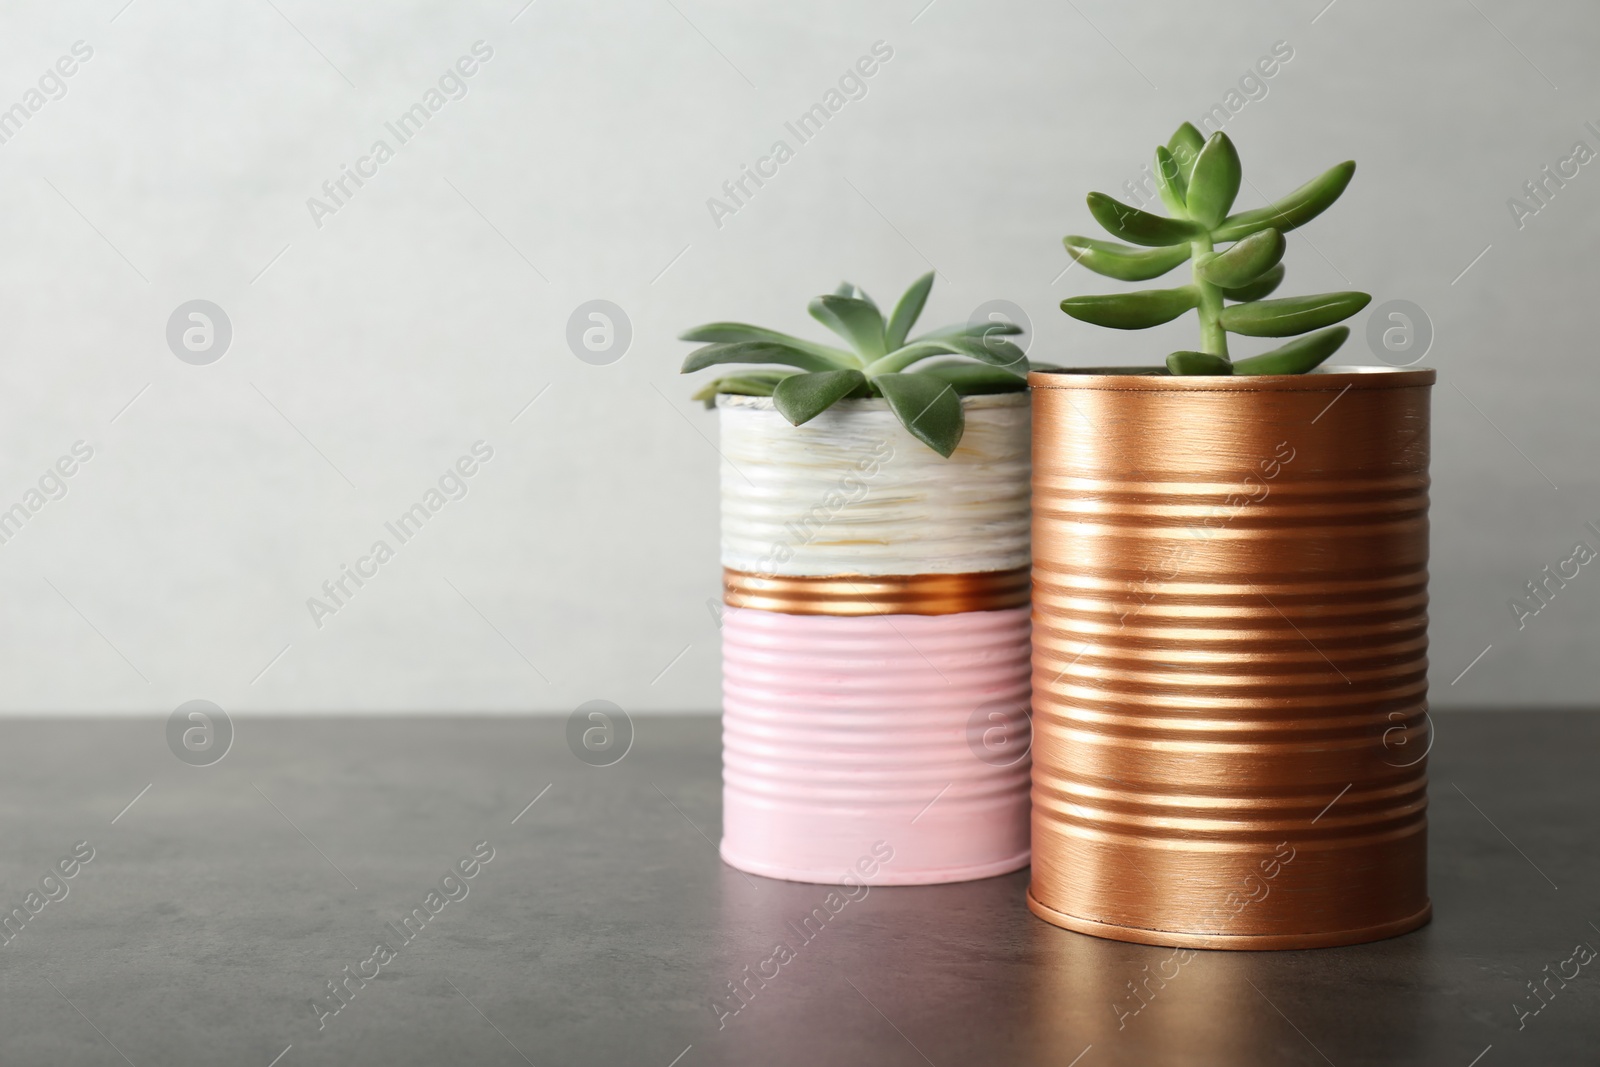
{"points": [[875, 644], [840, 732], [1230, 657]]}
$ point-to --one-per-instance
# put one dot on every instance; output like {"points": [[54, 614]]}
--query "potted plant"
{"points": [[1230, 591], [875, 577]]}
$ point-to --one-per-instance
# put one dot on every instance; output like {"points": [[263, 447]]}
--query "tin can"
{"points": [[875, 643], [1230, 656]]}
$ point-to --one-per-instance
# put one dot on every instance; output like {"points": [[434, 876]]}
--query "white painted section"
{"points": [[851, 492]]}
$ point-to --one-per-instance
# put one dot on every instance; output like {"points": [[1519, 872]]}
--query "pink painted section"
{"points": [[838, 733]]}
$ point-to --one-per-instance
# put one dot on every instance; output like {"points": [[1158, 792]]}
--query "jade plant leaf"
{"points": [[802, 397], [1298, 356], [1262, 286], [1132, 311], [1184, 147], [930, 409], [1214, 182], [1245, 261], [1235, 260], [1170, 182], [1296, 209], [1291, 315], [1198, 363], [1140, 227], [1125, 262]]}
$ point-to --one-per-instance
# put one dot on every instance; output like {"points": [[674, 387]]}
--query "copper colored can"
{"points": [[1230, 656]]}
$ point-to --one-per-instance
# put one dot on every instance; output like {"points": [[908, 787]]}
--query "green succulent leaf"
{"points": [[854, 291], [1199, 179], [927, 407], [1125, 262], [856, 320], [1245, 261], [970, 329], [750, 383], [802, 397], [814, 377], [1170, 183], [721, 332], [1262, 286], [1215, 181], [915, 352], [1296, 209], [906, 312], [1298, 356], [1140, 227], [1185, 147], [1007, 354], [1198, 363], [971, 379], [1133, 311], [993, 350], [755, 352], [1291, 315]]}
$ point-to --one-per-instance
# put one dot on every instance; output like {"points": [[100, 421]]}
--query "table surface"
{"points": [[605, 929]]}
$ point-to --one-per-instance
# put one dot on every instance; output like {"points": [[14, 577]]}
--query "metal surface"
{"points": [[841, 733], [605, 929], [852, 492], [895, 594], [877, 600], [1230, 665]]}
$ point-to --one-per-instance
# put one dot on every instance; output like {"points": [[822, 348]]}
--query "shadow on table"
{"points": [[964, 973], [1141, 1004]]}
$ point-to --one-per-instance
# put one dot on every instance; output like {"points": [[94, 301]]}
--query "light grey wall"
{"points": [[369, 352]]}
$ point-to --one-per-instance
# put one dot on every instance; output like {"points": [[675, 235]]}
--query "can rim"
{"points": [[1236, 942], [850, 405], [1155, 379]]}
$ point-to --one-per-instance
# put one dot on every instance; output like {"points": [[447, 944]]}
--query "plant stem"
{"points": [[1213, 338]]}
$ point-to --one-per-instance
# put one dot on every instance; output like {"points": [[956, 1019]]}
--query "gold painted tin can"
{"points": [[1230, 656]]}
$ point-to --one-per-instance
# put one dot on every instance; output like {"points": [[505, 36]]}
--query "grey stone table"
{"points": [[222, 900]]}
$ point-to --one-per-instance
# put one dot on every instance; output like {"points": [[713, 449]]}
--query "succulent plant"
{"points": [[1198, 180], [880, 361]]}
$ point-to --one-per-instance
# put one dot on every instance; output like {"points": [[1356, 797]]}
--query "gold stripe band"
{"points": [[862, 594]]}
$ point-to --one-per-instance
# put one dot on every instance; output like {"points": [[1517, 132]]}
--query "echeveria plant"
{"points": [[1198, 180], [880, 361]]}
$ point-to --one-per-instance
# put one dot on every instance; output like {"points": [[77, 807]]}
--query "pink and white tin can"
{"points": [[876, 672]]}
